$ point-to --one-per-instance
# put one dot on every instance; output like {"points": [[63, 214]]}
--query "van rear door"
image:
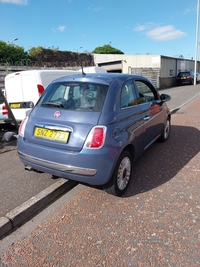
{"points": [[22, 92]]}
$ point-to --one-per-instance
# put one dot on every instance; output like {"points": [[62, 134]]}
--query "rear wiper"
{"points": [[55, 104]]}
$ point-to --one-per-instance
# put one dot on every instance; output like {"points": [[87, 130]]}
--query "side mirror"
{"points": [[165, 97]]}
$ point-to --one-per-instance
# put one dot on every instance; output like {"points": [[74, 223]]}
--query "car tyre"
{"points": [[166, 131], [121, 176]]}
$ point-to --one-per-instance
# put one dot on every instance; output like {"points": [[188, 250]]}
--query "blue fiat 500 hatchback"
{"points": [[92, 127]]}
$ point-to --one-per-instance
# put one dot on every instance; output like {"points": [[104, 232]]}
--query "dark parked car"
{"points": [[91, 128], [185, 77]]}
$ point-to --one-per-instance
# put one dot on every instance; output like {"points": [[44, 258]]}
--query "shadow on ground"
{"points": [[12, 144], [163, 161]]}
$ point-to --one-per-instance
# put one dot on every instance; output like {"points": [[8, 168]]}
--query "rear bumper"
{"points": [[180, 82], [56, 166], [90, 166]]}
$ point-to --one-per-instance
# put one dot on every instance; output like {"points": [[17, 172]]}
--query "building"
{"points": [[161, 70]]}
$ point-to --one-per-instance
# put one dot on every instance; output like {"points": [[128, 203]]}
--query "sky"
{"points": [[157, 27]]}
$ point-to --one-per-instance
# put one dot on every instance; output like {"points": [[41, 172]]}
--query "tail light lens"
{"points": [[5, 110], [40, 89], [96, 137], [22, 127]]}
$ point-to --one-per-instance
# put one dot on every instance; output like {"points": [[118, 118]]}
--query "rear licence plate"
{"points": [[51, 134], [15, 105]]}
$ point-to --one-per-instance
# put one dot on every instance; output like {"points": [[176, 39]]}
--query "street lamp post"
{"points": [[77, 49], [196, 46], [11, 42], [15, 39]]}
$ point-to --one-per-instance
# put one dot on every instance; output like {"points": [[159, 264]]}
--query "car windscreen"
{"points": [[74, 96]]}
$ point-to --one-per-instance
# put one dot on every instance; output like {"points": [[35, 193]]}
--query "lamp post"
{"points": [[196, 46], [77, 49], [15, 39], [11, 42]]}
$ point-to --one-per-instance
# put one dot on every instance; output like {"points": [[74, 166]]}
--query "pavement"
{"points": [[37, 197]]}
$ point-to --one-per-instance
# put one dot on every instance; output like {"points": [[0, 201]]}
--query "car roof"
{"points": [[186, 71], [106, 78]]}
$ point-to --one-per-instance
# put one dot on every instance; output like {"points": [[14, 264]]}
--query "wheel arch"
{"points": [[131, 149]]}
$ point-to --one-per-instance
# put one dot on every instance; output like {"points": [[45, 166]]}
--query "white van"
{"points": [[24, 88], [93, 70]]}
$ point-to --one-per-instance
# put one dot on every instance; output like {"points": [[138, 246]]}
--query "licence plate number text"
{"points": [[60, 136]]}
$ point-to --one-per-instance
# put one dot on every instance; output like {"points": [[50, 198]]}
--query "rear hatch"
{"points": [[21, 87], [22, 92], [184, 75], [60, 129], [65, 113]]}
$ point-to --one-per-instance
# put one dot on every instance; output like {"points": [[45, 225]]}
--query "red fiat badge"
{"points": [[57, 114]]}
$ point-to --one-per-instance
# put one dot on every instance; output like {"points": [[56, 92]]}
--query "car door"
{"points": [[132, 117], [151, 110]]}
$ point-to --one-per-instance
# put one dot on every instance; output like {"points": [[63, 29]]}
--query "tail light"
{"points": [[40, 89], [22, 127], [96, 137], [5, 110]]}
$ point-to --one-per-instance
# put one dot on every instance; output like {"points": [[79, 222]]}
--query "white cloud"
{"points": [[97, 9], [160, 33], [16, 2], [189, 10], [165, 33], [61, 28], [145, 27]]}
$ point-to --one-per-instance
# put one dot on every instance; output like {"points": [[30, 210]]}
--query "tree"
{"points": [[10, 53], [35, 52], [106, 49]]}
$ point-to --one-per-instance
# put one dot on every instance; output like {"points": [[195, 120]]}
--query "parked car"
{"points": [[185, 77], [3, 107], [94, 141]]}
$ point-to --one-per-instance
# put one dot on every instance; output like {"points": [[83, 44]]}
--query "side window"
{"points": [[145, 92], [128, 95]]}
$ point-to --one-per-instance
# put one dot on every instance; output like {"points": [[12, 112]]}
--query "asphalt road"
{"points": [[155, 224], [180, 95]]}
